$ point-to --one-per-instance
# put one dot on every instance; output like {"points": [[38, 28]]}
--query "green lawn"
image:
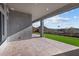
{"points": [[69, 40]]}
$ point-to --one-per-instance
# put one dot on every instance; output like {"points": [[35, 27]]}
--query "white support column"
{"points": [[41, 28]]}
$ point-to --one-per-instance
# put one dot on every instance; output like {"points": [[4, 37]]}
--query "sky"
{"points": [[64, 20]]}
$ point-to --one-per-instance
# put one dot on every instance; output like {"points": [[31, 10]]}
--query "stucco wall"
{"points": [[19, 21]]}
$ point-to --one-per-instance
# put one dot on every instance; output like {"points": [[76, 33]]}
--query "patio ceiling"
{"points": [[39, 10]]}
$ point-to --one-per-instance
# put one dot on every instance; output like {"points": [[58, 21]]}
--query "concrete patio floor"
{"points": [[34, 47]]}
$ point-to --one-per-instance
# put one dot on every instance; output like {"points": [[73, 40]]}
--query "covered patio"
{"points": [[17, 38]]}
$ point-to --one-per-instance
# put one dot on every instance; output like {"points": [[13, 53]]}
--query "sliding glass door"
{"points": [[0, 28]]}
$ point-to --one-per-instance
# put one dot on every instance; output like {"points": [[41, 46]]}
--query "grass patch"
{"points": [[69, 40]]}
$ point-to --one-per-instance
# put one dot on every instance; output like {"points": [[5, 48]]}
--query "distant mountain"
{"points": [[66, 31]]}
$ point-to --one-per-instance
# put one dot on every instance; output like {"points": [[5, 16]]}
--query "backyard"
{"points": [[63, 27], [69, 40], [65, 39]]}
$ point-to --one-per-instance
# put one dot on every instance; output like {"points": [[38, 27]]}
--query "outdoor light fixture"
{"points": [[47, 9], [12, 8]]}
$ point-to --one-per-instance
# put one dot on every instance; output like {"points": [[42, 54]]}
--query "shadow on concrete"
{"points": [[70, 53]]}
